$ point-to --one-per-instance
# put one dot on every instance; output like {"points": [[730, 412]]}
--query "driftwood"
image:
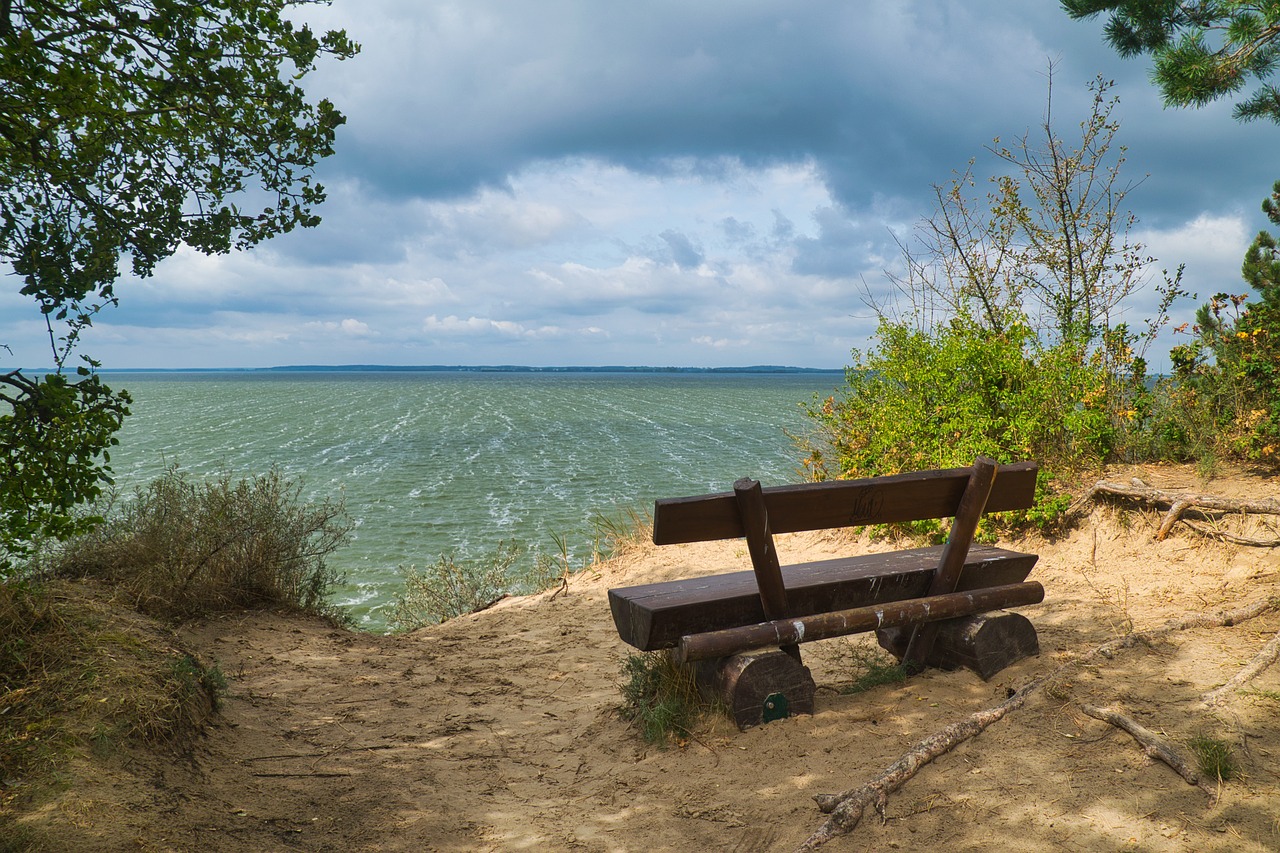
{"points": [[1153, 745], [846, 809], [1180, 502], [1263, 659]]}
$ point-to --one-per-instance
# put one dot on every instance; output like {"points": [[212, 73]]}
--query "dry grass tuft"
{"points": [[80, 676]]}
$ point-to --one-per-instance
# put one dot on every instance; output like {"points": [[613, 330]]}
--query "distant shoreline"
{"points": [[460, 368]]}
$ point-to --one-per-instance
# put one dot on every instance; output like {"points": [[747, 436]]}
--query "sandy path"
{"points": [[498, 731]]}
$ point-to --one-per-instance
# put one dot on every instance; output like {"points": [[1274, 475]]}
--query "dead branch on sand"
{"points": [[1180, 502], [845, 810], [1263, 659], [1153, 745]]}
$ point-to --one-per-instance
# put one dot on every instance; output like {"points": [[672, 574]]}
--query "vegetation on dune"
{"points": [[660, 697], [181, 549], [453, 586], [82, 672], [1004, 338], [81, 677]]}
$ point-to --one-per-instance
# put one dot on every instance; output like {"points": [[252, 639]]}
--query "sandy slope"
{"points": [[498, 731]]}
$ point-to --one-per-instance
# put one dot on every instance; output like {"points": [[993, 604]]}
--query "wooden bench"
{"points": [[926, 604]]}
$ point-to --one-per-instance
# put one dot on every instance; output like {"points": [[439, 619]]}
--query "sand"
{"points": [[500, 730]]}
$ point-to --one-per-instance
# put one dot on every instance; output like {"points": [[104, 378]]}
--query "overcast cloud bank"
{"points": [[659, 183]]}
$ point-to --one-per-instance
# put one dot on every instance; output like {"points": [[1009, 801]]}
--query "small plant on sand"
{"points": [[613, 535], [872, 667], [1214, 758], [660, 696], [452, 587], [1272, 695]]}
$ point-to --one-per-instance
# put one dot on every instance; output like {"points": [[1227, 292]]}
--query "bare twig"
{"points": [[1263, 659], [846, 809], [1153, 745]]}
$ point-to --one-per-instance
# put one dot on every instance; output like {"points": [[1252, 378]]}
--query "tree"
{"points": [[1053, 234], [1203, 50], [128, 129], [1010, 345]]}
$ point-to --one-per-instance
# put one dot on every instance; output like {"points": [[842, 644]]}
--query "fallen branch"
{"points": [[1180, 502], [1234, 538], [1263, 659], [1153, 745], [846, 809]]}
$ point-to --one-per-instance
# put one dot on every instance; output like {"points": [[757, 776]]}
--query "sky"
{"points": [[660, 182]]}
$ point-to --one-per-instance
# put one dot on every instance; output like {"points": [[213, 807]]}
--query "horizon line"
{"points": [[470, 368]]}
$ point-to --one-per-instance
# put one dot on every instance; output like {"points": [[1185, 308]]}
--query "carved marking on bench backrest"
{"points": [[865, 507]]}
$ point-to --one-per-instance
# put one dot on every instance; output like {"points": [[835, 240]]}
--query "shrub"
{"points": [[181, 549], [452, 587], [1227, 381], [939, 398]]}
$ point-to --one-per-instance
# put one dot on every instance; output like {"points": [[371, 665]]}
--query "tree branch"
{"points": [[1263, 659], [1180, 502], [1153, 745], [846, 809]]}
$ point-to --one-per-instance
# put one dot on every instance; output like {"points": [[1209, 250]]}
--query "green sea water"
{"points": [[437, 462]]}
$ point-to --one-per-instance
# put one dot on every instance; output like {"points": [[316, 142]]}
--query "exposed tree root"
{"points": [[845, 810], [1263, 659], [1153, 745], [1180, 502]]}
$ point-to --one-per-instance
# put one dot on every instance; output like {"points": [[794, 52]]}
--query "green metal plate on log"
{"points": [[776, 707]]}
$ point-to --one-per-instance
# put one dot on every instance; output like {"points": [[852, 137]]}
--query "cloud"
{"points": [[659, 181]]}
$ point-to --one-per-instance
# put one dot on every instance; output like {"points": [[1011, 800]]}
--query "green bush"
{"points": [[452, 587], [181, 549], [1226, 386], [939, 398]]}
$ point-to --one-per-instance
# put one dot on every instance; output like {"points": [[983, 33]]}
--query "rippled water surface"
{"points": [[436, 462]]}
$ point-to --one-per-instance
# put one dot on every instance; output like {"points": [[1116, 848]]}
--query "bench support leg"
{"points": [[985, 643], [758, 688]]}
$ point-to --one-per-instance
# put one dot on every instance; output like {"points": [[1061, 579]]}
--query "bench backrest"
{"points": [[841, 503]]}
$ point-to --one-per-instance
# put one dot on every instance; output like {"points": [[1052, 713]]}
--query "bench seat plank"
{"points": [[656, 616]]}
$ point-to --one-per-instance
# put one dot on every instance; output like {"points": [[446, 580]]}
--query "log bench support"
{"points": [[928, 606]]}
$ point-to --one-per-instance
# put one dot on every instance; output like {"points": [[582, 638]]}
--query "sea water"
{"points": [[429, 463]]}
